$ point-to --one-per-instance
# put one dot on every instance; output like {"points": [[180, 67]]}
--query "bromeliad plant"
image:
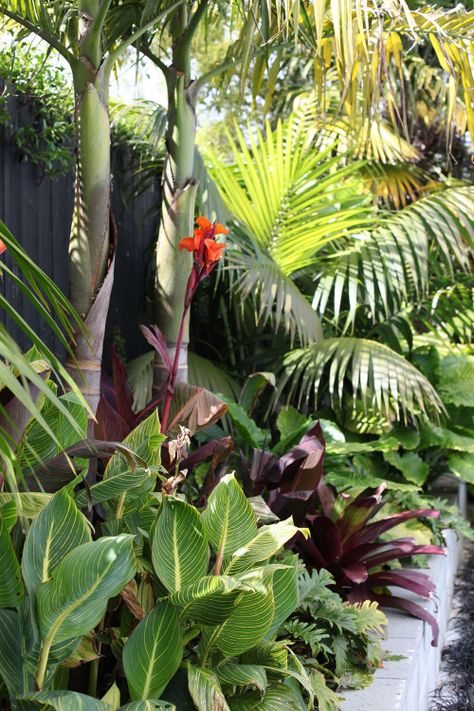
{"points": [[349, 545]]}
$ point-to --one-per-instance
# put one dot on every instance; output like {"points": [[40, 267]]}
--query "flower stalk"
{"points": [[206, 253]]}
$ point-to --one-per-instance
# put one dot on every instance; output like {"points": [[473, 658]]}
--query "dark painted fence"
{"points": [[38, 209]]}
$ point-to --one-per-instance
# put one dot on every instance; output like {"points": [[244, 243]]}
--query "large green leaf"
{"points": [[410, 464], [37, 446], [149, 705], [277, 698], [228, 520], [248, 623], [145, 441], [456, 379], [266, 543], [462, 465], [205, 689], [180, 552], [60, 701], [285, 591], [133, 483], [243, 675], [12, 654], [28, 504], [11, 587], [58, 529], [209, 601], [75, 599], [153, 652]]}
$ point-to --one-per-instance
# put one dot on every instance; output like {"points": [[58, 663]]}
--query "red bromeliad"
{"points": [[206, 253], [349, 547]]}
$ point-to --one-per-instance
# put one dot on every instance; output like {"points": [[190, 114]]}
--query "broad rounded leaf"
{"points": [[180, 552], [247, 625], [266, 543], [75, 599], [228, 520], [149, 705], [209, 601], [243, 675], [153, 652], [60, 701], [58, 528], [205, 690]]}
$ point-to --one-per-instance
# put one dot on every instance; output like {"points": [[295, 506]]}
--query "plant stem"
{"points": [[43, 661], [172, 377]]}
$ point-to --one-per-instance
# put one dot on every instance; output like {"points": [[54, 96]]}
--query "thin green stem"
{"points": [[43, 661]]}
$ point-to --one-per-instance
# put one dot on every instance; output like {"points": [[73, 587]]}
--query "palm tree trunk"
{"points": [[178, 204], [90, 282]]}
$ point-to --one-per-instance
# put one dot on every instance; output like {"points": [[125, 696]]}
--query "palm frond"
{"points": [[289, 201], [355, 369], [275, 296], [395, 263]]}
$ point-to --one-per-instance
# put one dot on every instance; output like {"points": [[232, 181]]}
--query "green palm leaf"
{"points": [[289, 201], [383, 380], [398, 260]]}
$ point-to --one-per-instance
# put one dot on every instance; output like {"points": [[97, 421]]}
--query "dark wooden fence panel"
{"points": [[38, 209]]}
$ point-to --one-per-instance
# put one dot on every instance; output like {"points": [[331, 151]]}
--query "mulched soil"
{"points": [[456, 690]]}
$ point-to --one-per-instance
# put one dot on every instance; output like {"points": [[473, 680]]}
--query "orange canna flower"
{"points": [[3, 247], [187, 243], [214, 250]]}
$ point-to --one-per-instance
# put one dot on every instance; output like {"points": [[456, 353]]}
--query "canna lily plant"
{"points": [[186, 602], [206, 252], [349, 546]]}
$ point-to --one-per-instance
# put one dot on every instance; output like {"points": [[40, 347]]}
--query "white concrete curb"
{"points": [[407, 685]]}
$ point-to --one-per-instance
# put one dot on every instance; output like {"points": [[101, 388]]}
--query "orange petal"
{"points": [[220, 229], [214, 249], [203, 222], [3, 246], [187, 243]]}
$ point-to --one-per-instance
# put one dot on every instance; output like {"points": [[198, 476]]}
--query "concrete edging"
{"points": [[407, 685]]}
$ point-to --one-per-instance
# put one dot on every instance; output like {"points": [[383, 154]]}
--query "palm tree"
{"points": [[310, 241], [362, 46], [91, 36]]}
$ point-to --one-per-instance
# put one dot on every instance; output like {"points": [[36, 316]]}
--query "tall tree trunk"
{"points": [[178, 204], [90, 284]]}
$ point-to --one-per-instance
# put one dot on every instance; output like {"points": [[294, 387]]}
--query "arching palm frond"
{"points": [[276, 297], [384, 381], [395, 262], [289, 201]]}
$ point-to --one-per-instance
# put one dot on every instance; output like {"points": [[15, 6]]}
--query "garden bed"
{"points": [[408, 684]]}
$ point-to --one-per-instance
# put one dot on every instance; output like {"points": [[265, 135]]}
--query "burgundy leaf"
{"points": [[156, 339], [411, 580], [355, 573], [123, 396], [412, 608], [325, 535], [110, 426], [355, 515], [374, 530]]}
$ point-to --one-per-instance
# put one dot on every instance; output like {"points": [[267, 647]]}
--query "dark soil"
{"points": [[456, 692]]}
